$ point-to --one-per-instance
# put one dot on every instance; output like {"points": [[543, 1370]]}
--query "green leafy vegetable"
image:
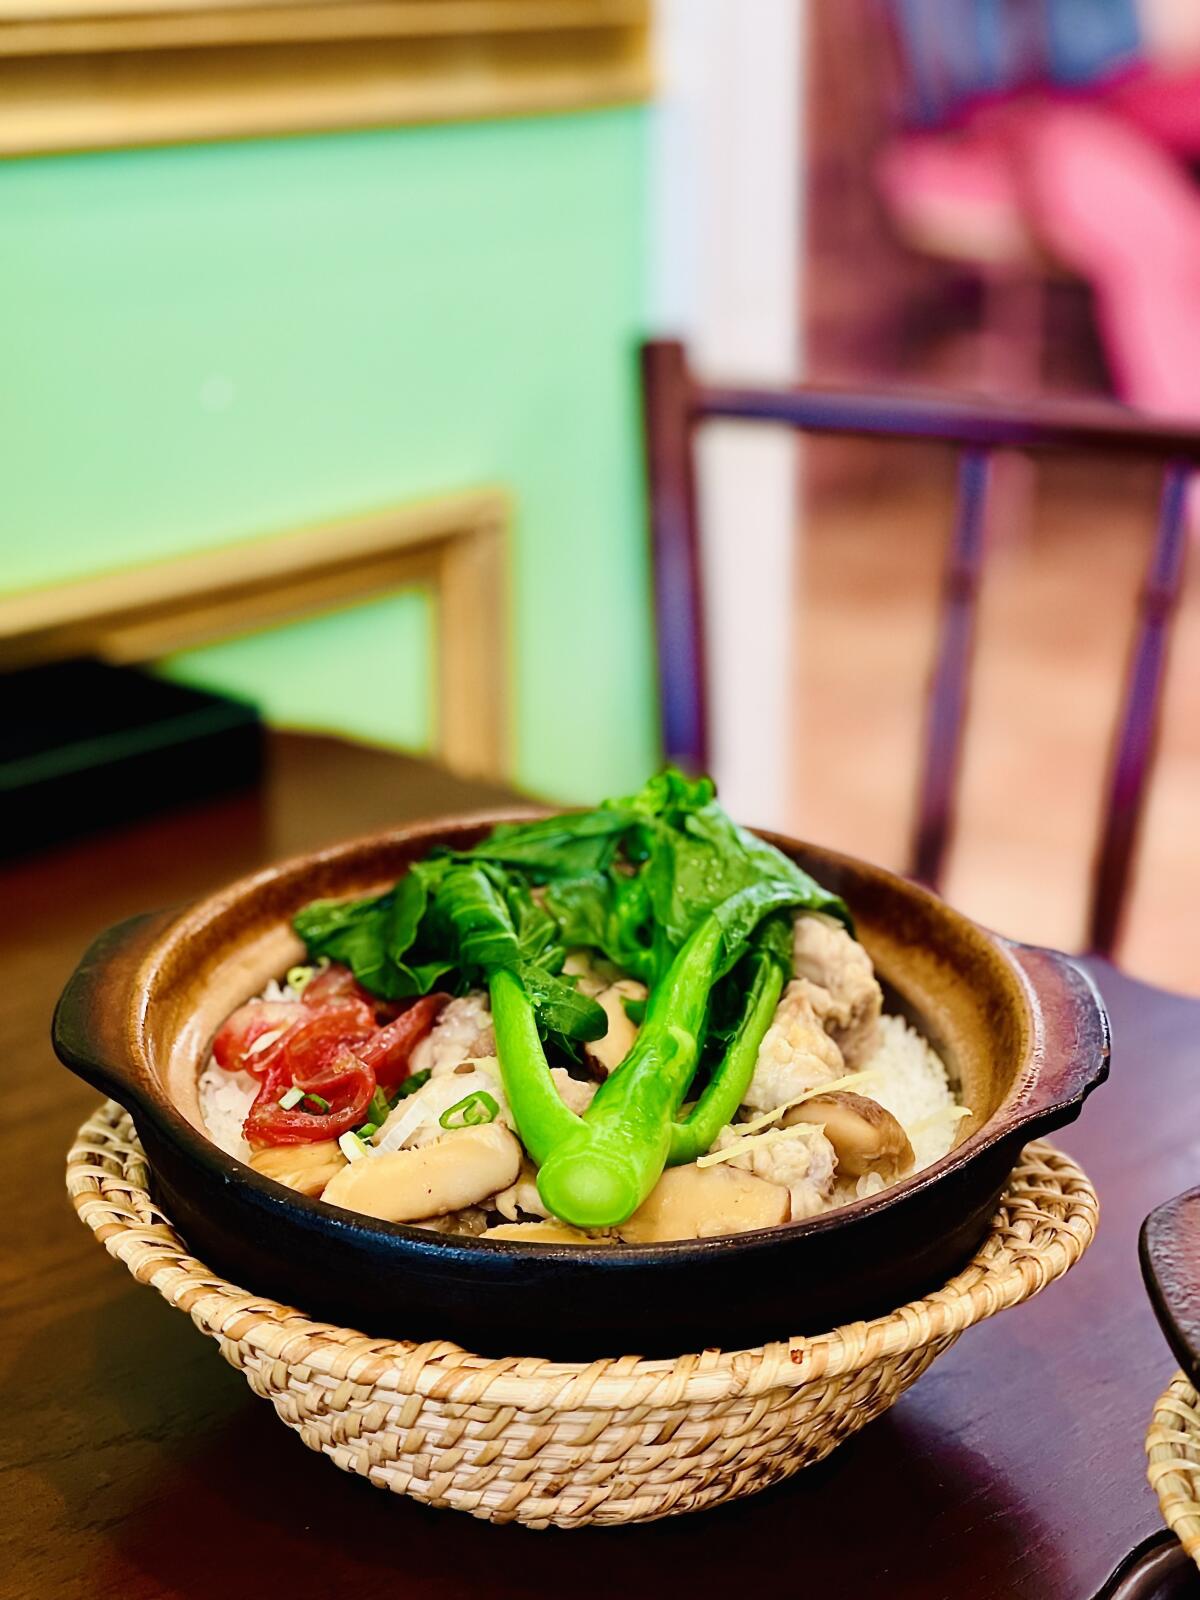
{"points": [[351, 931], [689, 856], [384, 941], [553, 847], [595, 1170], [662, 884], [721, 1098], [499, 926]]}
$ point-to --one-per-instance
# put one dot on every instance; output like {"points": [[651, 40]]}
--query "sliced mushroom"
{"points": [[550, 1232], [307, 1168], [462, 1169], [607, 1054], [866, 1137], [692, 1202]]}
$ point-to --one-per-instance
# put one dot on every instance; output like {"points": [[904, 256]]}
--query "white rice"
{"points": [[226, 1097], [225, 1101], [908, 1078]]}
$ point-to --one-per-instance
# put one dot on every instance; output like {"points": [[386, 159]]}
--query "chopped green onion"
{"points": [[351, 1147], [378, 1110], [300, 977], [471, 1112], [411, 1085], [316, 1100], [291, 1097]]}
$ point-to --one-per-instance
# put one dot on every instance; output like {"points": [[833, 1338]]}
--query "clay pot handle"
{"points": [[1169, 1249], [1072, 1057], [96, 1030]]}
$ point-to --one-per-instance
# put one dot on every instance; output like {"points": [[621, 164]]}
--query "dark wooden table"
{"points": [[136, 1463]]}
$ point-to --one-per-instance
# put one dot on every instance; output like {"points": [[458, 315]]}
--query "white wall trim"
{"points": [[726, 219]]}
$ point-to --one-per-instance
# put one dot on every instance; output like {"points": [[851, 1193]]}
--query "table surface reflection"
{"points": [[138, 1464]]}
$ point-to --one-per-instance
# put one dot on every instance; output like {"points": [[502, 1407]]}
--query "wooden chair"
{"points": [[677, 404]]}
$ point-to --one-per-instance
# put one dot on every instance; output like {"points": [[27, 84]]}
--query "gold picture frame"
{"points": [[87, 74]]}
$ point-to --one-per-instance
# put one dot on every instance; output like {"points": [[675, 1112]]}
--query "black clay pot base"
{"points": [[1021, 1030]]}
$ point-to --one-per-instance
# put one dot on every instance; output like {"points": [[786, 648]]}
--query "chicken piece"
{"points": [[865, 1135], [607, 1054], [592, 973], [601, 981], [796, 1054], [463, 1031], [521, 1198], [800, 1160], [841, 983], [575, 1093]]}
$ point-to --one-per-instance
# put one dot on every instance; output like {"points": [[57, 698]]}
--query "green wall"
{"points": [[205, 343]]}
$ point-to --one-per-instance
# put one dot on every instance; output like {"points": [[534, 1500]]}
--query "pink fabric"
{"points": [[957, 193], [1098, 182], [1164, 105], [1118, 209], [970, 169]]}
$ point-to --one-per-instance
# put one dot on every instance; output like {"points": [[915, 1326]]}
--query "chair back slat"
{"points": [[675, 552], [1137, 726], [676, 404], [1080, 426], [947, 707]]}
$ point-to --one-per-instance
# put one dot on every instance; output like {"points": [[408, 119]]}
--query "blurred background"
{"points": [[319, 392]]}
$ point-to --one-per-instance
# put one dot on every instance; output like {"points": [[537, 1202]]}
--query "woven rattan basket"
{"points": [[1173, 1448], [612, 1441]]}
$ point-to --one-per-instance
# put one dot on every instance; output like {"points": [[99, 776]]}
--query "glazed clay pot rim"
{"points": [[156, 1105]]}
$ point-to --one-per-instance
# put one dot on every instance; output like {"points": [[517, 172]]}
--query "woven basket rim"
{"points": [[1046, 1220], [1173, 1461]]}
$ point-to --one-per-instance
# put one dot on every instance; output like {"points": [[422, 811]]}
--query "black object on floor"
{"points": [[85, 745]]}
